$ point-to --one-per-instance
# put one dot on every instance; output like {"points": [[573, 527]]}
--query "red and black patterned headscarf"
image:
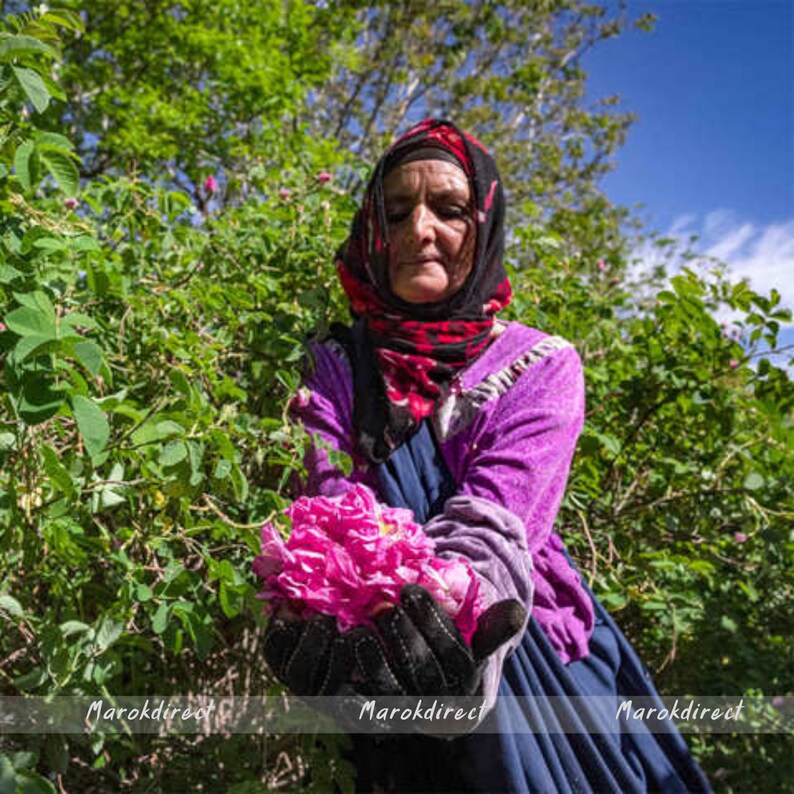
{"points": [[411, 352]]}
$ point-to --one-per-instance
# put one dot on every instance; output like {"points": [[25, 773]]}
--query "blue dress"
{"points": [[532, 759]]}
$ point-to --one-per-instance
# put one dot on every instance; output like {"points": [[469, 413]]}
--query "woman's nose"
{"points": [[423, 223]]}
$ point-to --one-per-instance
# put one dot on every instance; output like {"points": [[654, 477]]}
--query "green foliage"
{"points": [[148, 347], [679, 506], [184, 89], [152, 331]]}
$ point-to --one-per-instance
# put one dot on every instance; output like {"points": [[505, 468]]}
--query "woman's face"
{"points": [[431, 232]]}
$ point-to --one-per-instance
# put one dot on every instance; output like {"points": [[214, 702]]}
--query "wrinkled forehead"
{"points": [[433, 178]]}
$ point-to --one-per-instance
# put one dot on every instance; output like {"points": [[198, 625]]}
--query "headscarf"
{"points": [[409, 353]]}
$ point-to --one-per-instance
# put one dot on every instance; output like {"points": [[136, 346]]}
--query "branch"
{"points": [[218, 512]]}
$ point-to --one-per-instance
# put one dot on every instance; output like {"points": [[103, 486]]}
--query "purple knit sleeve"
{"points": [[519, 453]]}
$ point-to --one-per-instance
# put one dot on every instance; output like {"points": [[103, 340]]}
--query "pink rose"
{"points": [[284, 193], [71, 203], [350, 557], [324, 177], [300, 400], [602, 265], [210, 184], [733, 363], [740, 537]]}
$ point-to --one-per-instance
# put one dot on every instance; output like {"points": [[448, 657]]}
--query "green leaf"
{"points": [[33, 86], [196, 452], [172, 453], [26, 321], [157, 431], [39, 304], [28, 345], [64, 18], [8, 778], [222, 469], [11, 606], [39, 400], [753, 481], [92, 423], [75, 319], [58, 473], [84, 243], [63, 170], [729, 624], [9, 274], [239, 484], [14, 46], [25, 165], [50, 244], [35, 678], [73, 627], [160, 619], [144, 593], [110, 495], [230, 600], [109, 631], [614, 600], [54, 140], [34, 783], [90, 355]]}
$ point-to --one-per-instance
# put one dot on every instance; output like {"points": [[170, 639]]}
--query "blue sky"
{"points": [[712, 150]]}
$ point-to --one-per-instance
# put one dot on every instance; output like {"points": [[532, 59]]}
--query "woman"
{"points": [[472, 423]]}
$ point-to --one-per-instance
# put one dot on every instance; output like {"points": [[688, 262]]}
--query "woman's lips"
{"points": [[423, 261]]}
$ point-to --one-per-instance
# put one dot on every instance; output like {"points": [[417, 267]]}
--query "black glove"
{"points": [[418, 650], [309, 657]]}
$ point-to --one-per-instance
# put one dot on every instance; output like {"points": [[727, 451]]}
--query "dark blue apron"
{"points": [[534, 760]]}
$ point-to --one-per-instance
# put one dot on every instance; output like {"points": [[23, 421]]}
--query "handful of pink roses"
{"points": [[350, 556]]}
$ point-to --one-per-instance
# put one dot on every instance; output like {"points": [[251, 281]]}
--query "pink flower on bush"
{"points": [[733, 363], [350, 557], [324, 177], [284, 193], [740, 537], [2, 327], [70, 203], [210, 184], [602, 265], [300, 399]]}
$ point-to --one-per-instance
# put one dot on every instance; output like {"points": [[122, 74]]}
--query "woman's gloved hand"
{"points": [[309, 657], [418, 650]]}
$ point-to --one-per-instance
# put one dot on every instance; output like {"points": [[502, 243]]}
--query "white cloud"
{"points": [[731, 243], [681, 224], [762, 254]]}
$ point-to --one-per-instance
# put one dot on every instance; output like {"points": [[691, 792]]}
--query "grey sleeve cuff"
{"points": [[493, 540]]}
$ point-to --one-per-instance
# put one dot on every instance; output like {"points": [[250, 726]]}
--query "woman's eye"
{"points": [[452, 211], [396, 216]]}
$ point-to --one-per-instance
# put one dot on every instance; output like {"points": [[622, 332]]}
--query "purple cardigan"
{"points": [[507, 433]]}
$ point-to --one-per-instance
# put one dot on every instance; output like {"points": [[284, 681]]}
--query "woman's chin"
{"points": [[422, 290]]}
